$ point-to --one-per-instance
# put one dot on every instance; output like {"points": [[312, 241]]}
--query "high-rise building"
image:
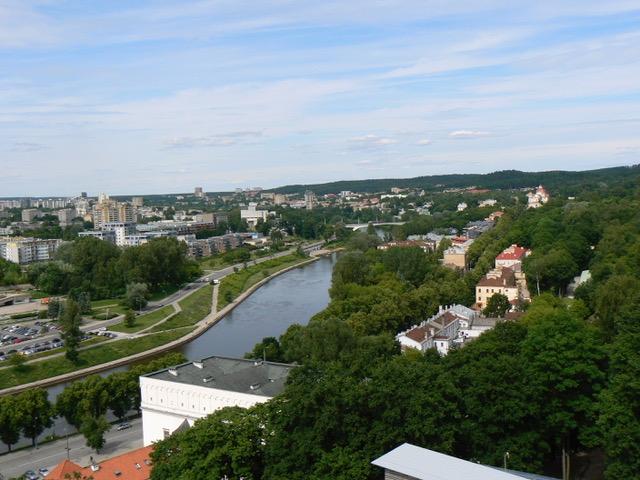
{"points": [[66, 216], [198, 192], [309, 199], [29, 214], [109, 211], [137, 202]]}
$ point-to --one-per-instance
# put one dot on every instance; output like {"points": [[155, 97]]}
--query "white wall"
{"points": [[167, 404]]}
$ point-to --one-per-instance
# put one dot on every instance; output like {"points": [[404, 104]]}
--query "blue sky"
{"points": [[127, 96]]}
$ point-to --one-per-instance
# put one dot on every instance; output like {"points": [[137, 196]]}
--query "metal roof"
{"points": [[254, 377], [423, 464]]}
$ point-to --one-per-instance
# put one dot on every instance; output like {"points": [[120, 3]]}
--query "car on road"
{"points": [[31, 475], [43, 471], [123, 426]]}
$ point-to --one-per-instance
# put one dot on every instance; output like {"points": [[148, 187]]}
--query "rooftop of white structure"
{"points": [[254, 377]]}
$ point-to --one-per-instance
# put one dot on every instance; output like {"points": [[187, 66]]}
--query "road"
{"points": [[50, 454]]}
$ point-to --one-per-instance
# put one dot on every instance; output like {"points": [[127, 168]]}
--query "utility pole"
{"points": [[504, 459]]}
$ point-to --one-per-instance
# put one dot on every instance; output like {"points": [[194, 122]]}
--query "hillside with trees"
{"points": [[570, 182], [563, 378]]}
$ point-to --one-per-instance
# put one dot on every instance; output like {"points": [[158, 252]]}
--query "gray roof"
{"points": [[423, 464], [253, 377]]}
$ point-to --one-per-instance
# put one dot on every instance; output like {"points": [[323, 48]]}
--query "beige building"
{"points": [[28, 250], [499, 280]]}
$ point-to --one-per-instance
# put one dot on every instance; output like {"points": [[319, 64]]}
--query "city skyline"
{"points": [[160, 97]]}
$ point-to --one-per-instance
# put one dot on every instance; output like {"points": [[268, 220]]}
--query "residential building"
{"points": [[440, 331], [133, 465], [198, 192], [174, 398], [137, 202], [499, 280], [24, 251], [121, 229], [456, 255], [205, 247], [425, 245], [252, 215], [30, 214], [494, 216], [105, 235], [109, 211], [279, 199], [584, 277], [477, 228], [210, 217], [409, 462], [66, 216], [489, 202], [310, 200], [538, 197], [462, 206], [512, 257]]}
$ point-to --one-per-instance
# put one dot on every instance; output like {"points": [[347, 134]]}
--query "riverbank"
{"points": [[201, 327]]}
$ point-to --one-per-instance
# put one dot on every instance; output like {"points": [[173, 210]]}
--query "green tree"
{"points": [[130, 318], [55, 308], [35, 411], [123, 389], [228, 443], [93, 429], [497, 306], [137, 296], [70, 323], [10, 421]]}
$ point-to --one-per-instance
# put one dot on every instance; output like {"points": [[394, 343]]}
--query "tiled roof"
{"points": [[133, 465], [498, 278], [418, 334], [67, 467], [514, 252]]}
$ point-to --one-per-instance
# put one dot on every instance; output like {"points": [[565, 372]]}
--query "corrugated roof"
{"points": [[423, 464]]}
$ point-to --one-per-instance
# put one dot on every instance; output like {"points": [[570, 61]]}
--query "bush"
{"points": [[18, 316]]}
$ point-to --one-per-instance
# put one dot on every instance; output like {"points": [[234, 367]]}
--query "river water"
{"points": [[293, 297]]}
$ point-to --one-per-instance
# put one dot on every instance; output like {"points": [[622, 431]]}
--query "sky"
{"points": [[133, 96]]}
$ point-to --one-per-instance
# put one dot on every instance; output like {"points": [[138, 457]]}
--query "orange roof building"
{"points": [[133, 465]]}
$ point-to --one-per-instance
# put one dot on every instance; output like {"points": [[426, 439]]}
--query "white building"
{"points": [[538, 198], [489, 202], [512, 257], [252, 215], [409, 462], [23, 251], [462, 206], [440, 331], [174, 398]]}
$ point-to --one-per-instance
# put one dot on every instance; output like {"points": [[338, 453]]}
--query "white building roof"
{"points": [[424, 464]]}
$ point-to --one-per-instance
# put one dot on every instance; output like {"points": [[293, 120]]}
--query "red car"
{"points": [[18, 340]]}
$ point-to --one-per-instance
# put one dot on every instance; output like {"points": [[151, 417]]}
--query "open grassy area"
{"points": [[194, 308], [144, 321], [10, 377], [234, 284]]}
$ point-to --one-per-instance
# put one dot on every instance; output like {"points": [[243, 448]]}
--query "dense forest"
{"points": [[569, 182], [564, 377]]}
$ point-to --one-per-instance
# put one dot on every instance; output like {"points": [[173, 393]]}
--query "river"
{"points": [[293, 297]]}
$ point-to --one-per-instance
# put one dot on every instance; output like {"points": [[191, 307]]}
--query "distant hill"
{"points": [[504, 179]]}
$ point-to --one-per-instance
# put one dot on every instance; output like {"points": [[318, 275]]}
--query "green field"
{"points": [[94, 356], [236, 283], [194, 308], [144, 321]]}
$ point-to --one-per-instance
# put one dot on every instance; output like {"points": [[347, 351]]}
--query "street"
{"points": [[50, 454]]}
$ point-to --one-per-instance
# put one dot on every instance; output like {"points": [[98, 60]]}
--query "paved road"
{"points": [[50, 454]]}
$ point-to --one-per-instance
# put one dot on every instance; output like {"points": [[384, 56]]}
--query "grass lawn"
{"points": [[144, 321], [236, 283], [163, 292], [94, 356], [194, 308]]}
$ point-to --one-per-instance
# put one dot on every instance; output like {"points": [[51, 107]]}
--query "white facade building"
{"points": [[174, 398], [252, 215]]}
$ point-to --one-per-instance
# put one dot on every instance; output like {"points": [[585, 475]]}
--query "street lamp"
{"points": [[505, 458]]}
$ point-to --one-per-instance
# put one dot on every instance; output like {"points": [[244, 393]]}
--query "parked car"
{"points": [[30, 475], [43, 471], [123, 426]]}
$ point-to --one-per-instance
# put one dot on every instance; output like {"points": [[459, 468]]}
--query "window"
{"points": [[166, 433]]}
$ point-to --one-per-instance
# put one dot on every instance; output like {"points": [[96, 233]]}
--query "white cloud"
{"points": [[373, 140], [424, 142], [468, 134], [220, 140]]}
